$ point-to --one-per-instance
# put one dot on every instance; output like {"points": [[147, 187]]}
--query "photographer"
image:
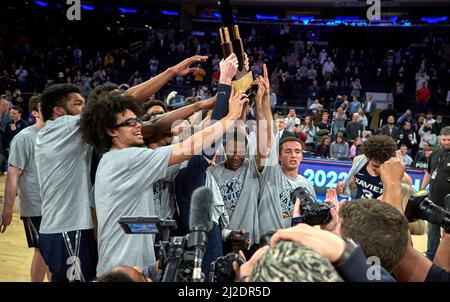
{"points": [[438, 175]]}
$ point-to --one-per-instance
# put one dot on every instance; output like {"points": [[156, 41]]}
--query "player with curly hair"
{"points": [[375, 151]]}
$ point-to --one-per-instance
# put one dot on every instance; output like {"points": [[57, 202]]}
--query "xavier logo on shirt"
{"points": [[230, 192], [287, 207]]}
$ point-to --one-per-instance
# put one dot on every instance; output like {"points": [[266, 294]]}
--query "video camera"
{"points": [[180, 257], [421, 207], [312, 212]]}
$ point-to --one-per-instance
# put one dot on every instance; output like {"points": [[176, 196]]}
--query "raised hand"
{"points": [[327, 244], [236, 104], [228, 68], [182, 68]]}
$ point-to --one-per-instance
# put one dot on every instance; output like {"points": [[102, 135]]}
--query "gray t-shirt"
{"points": [[124, 187], [164, 193], [21, 155], [63, 162], [275, 208], [219, 212], [239, 190]]}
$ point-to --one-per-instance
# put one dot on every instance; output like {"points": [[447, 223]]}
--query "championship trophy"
{"points": [[230, 41]]}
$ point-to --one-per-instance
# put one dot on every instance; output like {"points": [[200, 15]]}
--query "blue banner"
{"points": [[326, 173]]}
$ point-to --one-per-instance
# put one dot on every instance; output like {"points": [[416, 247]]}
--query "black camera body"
{"points": [[312, 212], [238, 240], [222, 269], [421, 207]]}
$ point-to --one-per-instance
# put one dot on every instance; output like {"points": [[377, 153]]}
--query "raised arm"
{"points": [[161, 125], [147, 89], [205, 138], [264, 120]]}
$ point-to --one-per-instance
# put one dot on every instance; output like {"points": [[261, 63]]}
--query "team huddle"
{"points": [[87, 163]]}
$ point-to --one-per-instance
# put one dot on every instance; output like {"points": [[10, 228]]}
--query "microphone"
{"points": [[200, 223]]}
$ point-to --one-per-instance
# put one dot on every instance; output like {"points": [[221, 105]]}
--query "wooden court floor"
{"points": [[15, 256]]}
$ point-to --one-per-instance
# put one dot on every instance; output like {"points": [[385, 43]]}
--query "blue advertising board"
{"points": [[326, 173]]}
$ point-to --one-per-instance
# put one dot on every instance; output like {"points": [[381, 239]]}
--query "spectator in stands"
{"points": [[354, 105], [292, 120], [390, 129], [324, 127], [356, 88], [312, 74], [363, 118], [404, 153], [423, 155], [355, 149], [280, 123], [5, 114], [427, 135], [429, 120], [199, 75], [405, 117], [369, 107], [339, 149], [439, 124], [408, 137], [399, 96], [328, 69], [153, 65], [16, 124], [421, 79], [309, 129], [328, 95], [354, 129], [323, 147], [422, 96], [339, 119], [313, 92]]}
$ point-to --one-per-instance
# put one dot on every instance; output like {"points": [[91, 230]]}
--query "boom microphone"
{"points": [[200, 223], [200, 217]]}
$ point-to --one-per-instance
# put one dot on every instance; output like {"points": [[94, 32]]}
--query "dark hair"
{"points": [[55, 96], [149, 104], [379, 228], [18, 108], [115, 276], [100, 115], [288, 137], [379, 148], [33, 103], [94, 94]]}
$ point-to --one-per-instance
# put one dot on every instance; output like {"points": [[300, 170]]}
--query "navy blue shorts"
{"points": [[32, 225], [74, 262]]}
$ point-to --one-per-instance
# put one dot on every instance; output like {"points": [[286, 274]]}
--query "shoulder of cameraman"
{"points": [[355, 268], [437, 274]]}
